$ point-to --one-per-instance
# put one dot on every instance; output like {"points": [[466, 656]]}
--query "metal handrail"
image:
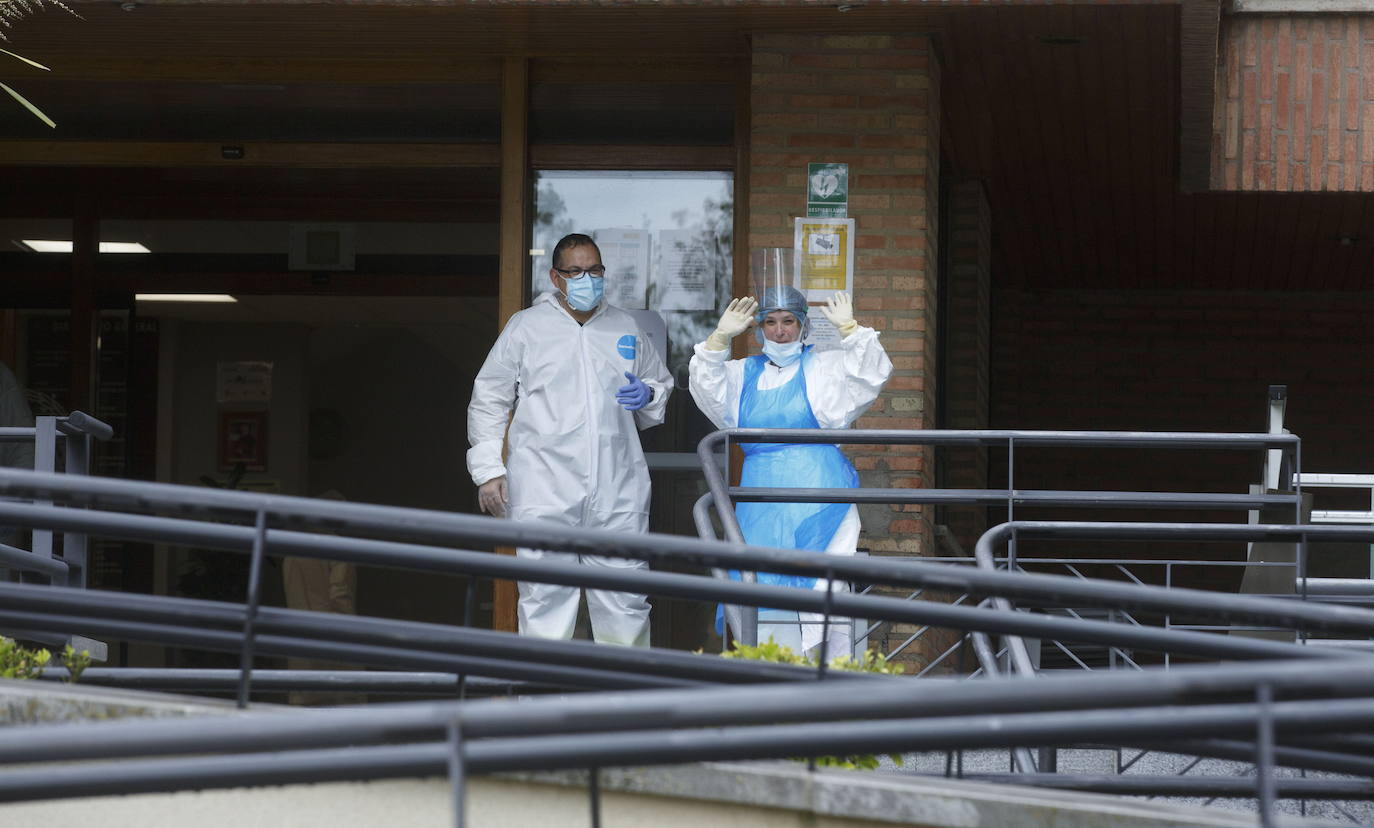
{"points": [[584, 664], [1184, 705], [724, 496]]}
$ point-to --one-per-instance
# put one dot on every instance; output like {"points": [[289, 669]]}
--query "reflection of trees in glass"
{"points": [[711, 226], [551, 223], [714, 240]]}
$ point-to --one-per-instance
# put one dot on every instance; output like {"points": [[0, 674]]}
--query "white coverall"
{"points": [[574, 452], [841, 383]]}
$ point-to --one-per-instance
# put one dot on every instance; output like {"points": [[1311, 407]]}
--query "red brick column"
{"points": [[1295, 104], [872, 102]]}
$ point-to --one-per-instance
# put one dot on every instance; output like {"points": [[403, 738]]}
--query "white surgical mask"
{"points": [[782, 354], [585, 293]]}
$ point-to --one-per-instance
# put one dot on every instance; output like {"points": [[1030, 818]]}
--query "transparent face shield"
{"points": [[777, 285], [771, 269]]}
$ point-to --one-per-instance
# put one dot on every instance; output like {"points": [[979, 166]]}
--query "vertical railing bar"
{"points": [[1168, 616], [251, 608], [469, 610], [1264, 754], [1297, 487], [825, 624], [75, 545], [44, 460], [594, 794], [456, 771]]}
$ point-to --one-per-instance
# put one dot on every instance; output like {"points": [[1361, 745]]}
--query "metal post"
{"points": [[594, 794], [469, 609], [44, 460], [825, 624], [251, 609], [75, 546], [1264, 754], [456, 780]]}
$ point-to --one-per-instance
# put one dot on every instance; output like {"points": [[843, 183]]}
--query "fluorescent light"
{"points": [[184, 297], [47, 245], [123, 247], [61, 246], [536, 251]]}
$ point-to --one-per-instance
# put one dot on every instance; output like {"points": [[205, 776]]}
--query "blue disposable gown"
{"points": [[826, 389]]}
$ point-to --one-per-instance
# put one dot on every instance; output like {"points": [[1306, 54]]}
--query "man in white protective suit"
{"points": [[581, 377]]}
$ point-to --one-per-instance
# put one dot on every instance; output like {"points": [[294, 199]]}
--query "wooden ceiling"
{"points": [[1069, 113]]}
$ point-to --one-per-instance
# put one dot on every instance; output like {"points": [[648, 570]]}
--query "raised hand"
{"points": [[839, 309], [737, 318]]}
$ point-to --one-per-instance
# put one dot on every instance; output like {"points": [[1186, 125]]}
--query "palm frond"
{"points": [[30, 107], [26, 60]]}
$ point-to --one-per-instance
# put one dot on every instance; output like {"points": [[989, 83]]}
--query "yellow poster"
{"points": [[825, 255]]}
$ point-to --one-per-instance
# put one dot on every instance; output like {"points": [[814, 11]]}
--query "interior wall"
{"points": [[200, 349], [389, 425]]}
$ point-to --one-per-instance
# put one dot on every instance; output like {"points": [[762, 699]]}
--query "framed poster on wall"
{"points": [[825, 255], [243, 439]]}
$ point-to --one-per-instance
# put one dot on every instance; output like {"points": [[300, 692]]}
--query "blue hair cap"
{"points": [[783, 298]]}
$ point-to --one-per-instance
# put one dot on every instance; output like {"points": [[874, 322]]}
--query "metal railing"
{"points": [[77, 433], [72, 438], [722, 496], [654, 723]]}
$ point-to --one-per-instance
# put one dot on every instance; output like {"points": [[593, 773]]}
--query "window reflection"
{"points": [[665, 237]]}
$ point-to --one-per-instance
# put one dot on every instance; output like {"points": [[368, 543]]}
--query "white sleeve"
{"points": [[849, 379], [649, 367], [714, 380], [493, 400]]}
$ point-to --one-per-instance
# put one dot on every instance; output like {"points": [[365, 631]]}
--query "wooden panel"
{"points": [[515, 193], [187, 154], [637, 157]]}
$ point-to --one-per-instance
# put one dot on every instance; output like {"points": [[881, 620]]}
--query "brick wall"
{"points": [[1295, 104], [968, 257], [1184, 361], [872, 102]]}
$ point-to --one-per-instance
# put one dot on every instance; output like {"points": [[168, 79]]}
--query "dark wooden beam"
{"points": [[39, 290], [245, 154], [515, 210], [632, 157]]}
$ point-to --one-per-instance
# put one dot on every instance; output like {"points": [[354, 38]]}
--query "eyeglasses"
{"points": [[598, 272]]}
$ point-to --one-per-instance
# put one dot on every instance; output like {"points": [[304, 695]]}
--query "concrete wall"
{"points": [[780, 795]]}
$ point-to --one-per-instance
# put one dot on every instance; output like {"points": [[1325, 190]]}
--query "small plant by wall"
{"points": [[20, 662], [870, 662]]}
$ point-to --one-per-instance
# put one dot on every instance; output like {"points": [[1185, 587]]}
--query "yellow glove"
{"points": [[839, 309], [737, 319]]}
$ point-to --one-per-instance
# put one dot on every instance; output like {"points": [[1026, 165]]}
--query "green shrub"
{"points": [[870, 662], [18, 662]]}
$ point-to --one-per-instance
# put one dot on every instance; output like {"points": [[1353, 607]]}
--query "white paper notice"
{"points": [[625, 253], [823, 334], [243, 382], [685, 277]]}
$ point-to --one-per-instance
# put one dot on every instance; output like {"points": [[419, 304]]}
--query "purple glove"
{"points": [[635, 394]]}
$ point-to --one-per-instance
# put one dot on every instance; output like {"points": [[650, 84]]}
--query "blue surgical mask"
{"points": [[782, 354], [585, 293]]}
